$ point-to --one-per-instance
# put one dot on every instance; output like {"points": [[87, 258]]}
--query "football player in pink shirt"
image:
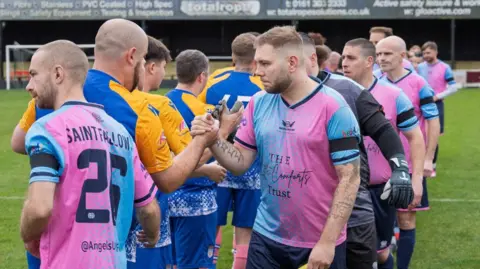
{"points": [[86, 176], [390, 52], [440, 76]]}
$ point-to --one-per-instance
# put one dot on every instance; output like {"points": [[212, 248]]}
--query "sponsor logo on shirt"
{"points": [[349, 133]]}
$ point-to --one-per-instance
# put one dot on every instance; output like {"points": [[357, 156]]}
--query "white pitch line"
{"points": [[448, 200], [441, 200]]}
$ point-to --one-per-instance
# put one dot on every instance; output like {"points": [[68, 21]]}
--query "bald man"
{"points": [[390, 53], [333, 62], [55, 218], [120, 49]]}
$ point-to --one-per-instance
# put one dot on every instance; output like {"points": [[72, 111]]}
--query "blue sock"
{"points": [[406, 244], [32, 261], [388, 263]]}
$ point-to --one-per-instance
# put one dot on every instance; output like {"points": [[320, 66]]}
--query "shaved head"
{"points": [[69, 56], [57, 69], [393, 42], [120, 50], [116, 36], [390, 53]]}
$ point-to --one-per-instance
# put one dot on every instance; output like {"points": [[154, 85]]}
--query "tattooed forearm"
{"points": [[234, 158], [230, 150], [346, 193], [343, 200]]}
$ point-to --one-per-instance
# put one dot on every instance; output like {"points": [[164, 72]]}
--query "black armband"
{"points": [[388, 141], [44, 160], [426, 101]]}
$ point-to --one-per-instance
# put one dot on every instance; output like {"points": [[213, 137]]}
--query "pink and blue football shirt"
{"points": [[398, 109], [94, 162], [438, 75], [421, 95], [298, 146]]}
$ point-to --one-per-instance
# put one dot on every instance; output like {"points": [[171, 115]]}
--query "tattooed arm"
{"points": [[343, 201], [235, 158]]}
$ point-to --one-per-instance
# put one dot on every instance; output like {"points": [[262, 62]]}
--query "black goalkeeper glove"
{"points": [[398, 191]]}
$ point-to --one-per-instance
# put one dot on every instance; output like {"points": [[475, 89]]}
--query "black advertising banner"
{"points": [[236, 9]]}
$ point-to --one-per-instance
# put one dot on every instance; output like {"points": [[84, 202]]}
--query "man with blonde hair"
{"points": [[306, 138]]}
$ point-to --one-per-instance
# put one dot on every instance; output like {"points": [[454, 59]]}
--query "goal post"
{"points": [[18, 58], [27, 52]]}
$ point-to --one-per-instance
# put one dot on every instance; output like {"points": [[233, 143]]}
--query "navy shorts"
{"points": [[441, 114], [265, 253], [245, 204], [32, 261], [193, 241], [424, 204], [385, 216]]}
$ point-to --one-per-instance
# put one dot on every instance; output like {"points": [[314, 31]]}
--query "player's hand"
{"points": [[33, 247], [398, 190], [229, 120], [211, 136], [216, 172], [202, 124], [147, 241], [418, 193], [321, 256], [428, 168]]}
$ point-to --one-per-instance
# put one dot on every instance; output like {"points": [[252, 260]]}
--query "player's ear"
{"points": [[293, 62], [130, 56], [150, 67], [58, 74]]}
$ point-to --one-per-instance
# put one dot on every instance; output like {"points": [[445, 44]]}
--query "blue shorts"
{"points": [[32, 261], [193, 241], [441, 114], [385, 216], [265, 253], [424, 204], [245, 204], [153, 258]]}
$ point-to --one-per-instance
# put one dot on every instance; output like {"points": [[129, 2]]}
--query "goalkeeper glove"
{"points": [[398, 190]]}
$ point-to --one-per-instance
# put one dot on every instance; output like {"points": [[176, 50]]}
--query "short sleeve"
{"points": [[45, 153], [176, 130], [145, 189], [427, 105], [28, 117], [245, 135], [151, 142], [449, 77], [198, 108], [406, 118], [344, 135]]}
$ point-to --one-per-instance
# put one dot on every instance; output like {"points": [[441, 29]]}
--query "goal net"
{"points": [[17, 62], [18, 59]]}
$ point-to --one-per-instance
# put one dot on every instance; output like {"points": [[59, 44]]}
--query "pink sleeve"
{"points": [[145, 189], [246, 134]]}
